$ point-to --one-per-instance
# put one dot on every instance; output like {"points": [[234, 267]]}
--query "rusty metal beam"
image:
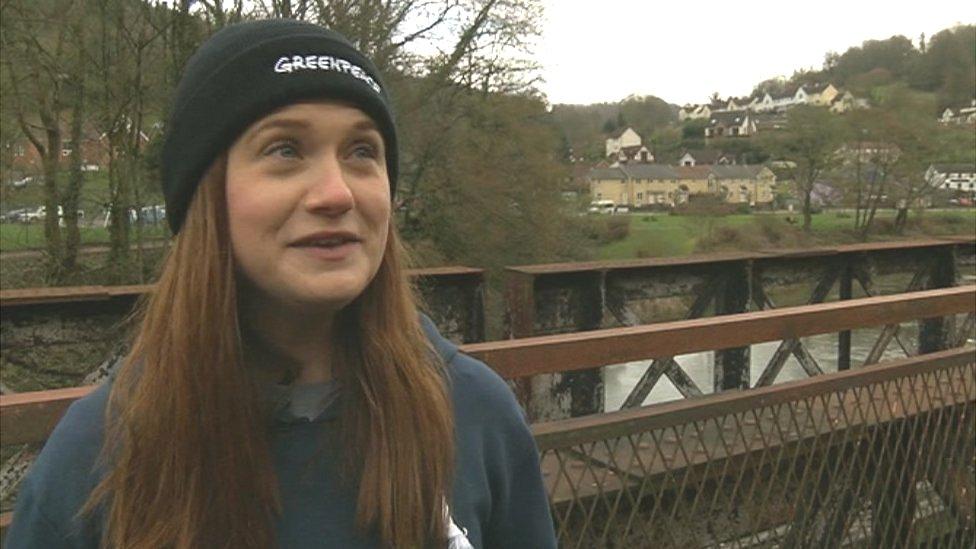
{"points": [[30, 417], [54, 296], [577, 351], [731, 368], [26, 297]]}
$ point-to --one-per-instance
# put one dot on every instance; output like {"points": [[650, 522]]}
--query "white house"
{"points": [[952, 177], [960, 115], [621, 140], [730, 124]]}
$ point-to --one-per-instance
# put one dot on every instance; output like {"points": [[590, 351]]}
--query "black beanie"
{"points": [[247, 70]]}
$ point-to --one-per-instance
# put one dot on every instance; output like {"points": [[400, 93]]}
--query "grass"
{"points": [[663, 235], [94, 194], [30, 236]]}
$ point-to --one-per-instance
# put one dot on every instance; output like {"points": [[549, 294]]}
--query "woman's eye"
{"points": [[282, 150], [365, 150]]}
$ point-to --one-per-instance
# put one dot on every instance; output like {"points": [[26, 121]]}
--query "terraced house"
{"points": [[646, 185]]}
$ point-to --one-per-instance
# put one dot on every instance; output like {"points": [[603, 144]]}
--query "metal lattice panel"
{"points": [[879, 457]]}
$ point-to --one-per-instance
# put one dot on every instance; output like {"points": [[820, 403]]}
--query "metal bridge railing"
{"points": [[877, 457]]}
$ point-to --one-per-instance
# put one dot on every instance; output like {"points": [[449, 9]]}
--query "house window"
{"points": [[640, 197], [19, 150]]}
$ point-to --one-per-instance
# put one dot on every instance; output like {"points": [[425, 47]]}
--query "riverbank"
{"points": [[665, 235]]}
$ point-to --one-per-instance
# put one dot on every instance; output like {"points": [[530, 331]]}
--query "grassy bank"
{"points": [[664, 235]]}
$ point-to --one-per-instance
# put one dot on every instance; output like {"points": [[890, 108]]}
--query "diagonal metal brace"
{"points": [[667, 366], [890, 330], [793, 346]]}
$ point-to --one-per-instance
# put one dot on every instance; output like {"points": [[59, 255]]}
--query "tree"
{"points": [[493, 202], [892, 146], [646, 114], [41, 69], [809, 146], [894, 54]]}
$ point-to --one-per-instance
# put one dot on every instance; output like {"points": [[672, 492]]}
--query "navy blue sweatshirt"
{"points": [[498, 496]]}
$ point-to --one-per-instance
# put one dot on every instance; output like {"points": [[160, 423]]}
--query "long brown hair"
{"points": [[187, 447]]}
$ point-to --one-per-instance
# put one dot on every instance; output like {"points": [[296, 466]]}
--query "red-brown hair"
{"points": [[187, 444]]}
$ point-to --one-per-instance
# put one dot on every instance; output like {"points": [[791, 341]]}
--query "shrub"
{"points": [[606, 229], [618, 228], [705, 204]]}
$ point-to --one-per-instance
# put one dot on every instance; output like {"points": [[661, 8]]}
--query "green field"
{"points": [[650, 234], [664, 235], [30, 236]]}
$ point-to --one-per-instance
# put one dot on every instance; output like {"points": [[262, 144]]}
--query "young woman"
{"points": [[282, 389]]}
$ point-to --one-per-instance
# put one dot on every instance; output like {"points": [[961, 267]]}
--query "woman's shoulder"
{"points": [[480, 395], [80, 431], [62, 477]]}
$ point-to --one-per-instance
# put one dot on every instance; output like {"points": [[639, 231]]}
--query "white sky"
{"points": [[683, 50]]}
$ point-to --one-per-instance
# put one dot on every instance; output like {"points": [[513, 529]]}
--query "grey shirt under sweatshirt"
{"points": [[497, 498]]}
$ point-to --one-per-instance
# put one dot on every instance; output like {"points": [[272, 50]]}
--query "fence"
{"points": [[880, 456]]}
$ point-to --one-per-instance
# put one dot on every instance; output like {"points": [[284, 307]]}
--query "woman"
{"points": [[281, 389]]}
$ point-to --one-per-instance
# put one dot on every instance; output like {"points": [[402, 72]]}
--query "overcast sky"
{"points": [[681, 51]]}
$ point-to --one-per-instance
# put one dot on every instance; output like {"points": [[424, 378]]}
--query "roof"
{"points": [[664, 171], [816, 88], [606, 173], [743, 171], [692, 172], [704, 156], [649, 171], [728, 118], [618, 133], [954, 168], [785, 94]]}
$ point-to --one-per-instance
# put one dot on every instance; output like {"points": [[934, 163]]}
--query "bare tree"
{"points": [[37, 40], [810, 145]]}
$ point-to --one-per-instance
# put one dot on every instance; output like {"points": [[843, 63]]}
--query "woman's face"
{"points": [[308, 202]]}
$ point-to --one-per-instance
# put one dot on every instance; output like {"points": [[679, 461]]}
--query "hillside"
{"points": [[939, 71]]}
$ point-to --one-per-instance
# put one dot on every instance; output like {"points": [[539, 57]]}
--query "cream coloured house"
{"points": [[642, 185], [623, 139], [749, 184]]}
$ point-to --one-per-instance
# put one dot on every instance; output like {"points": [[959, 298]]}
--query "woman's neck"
{"points": [[290, 341]]}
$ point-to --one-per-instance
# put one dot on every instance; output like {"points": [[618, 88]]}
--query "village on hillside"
{"points": [[629, 176]]}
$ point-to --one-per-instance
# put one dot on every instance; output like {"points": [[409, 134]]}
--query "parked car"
{"points": [[14, 216], [23, 182], [601, 206], [40, 213], [153, 214]]}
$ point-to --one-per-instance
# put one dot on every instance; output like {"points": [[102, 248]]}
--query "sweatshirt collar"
{"points": [[280, 395]]}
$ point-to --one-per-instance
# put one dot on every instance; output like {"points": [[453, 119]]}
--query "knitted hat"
{"points": [[244, 72]]}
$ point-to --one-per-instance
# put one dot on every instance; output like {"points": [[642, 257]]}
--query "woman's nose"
{"points": [[329, 191]]}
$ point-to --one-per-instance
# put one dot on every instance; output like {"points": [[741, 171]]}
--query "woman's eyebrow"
{"points": [[274, 123], [366, 124]]}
